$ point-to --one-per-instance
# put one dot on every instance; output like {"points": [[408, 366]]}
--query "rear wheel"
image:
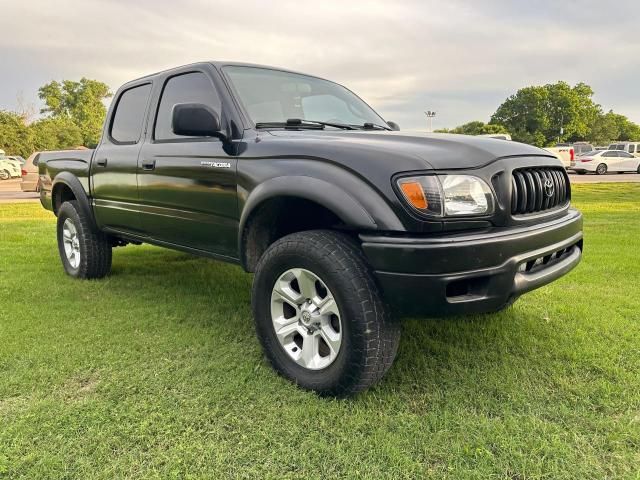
{"points": [[5, 175], [638, 170], [601, 169], [319, 314], [85, 251]]}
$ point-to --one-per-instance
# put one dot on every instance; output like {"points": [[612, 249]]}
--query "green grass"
{"points": [[155, 372]]}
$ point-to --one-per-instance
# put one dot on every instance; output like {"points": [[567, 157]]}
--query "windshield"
{"points": [[590, 154], [272, 96]]}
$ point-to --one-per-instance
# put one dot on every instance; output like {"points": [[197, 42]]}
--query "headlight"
{"points": [[447, 195]]}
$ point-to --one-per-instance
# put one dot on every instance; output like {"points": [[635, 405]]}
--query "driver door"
{"points": [[187, 185]]}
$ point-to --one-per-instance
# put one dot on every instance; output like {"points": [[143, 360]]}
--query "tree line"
{"points": [[72, 116], [556, 112]]}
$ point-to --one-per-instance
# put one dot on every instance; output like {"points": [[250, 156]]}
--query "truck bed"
{"points": [[74, 162]]}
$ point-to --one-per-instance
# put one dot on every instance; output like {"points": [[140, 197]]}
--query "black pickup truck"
{"points": [[347, 222]]}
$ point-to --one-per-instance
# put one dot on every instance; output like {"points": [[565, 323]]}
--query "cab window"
{"points": [[128, 118], [194, 87]]}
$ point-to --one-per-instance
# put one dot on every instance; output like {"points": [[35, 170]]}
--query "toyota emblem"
{"points": [[549, 188]]}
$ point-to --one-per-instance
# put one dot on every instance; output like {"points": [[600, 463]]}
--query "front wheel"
{"points": [[5, 175], [319, 315], [601, 169], [85, 251]]}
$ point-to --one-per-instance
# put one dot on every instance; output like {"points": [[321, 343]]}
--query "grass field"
{"points": [[155, 372]]}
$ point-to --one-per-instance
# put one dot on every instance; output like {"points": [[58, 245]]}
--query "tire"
{"points": [[369, 337], [638, 170], [601, 169], [91, 249], [5, 175]]}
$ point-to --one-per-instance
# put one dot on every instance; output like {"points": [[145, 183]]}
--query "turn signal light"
{"points": [[414, 194]]}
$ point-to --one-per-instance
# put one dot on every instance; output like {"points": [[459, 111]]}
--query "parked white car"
{"points": [[9, 169], [603, 161]]}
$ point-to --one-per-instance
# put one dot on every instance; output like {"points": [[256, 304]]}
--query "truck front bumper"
{"points": [[473, 272]]}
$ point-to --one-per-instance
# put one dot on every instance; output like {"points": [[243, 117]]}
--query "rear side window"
{"points": [[129, 115], [36, 160], [192, 87], [632, 148]]}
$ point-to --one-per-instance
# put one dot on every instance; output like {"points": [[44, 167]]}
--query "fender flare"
{"points": [[341, 203], [70, 180]]}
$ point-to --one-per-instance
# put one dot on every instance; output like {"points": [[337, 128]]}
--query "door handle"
{"points": [[148, 164], [101, 162]]}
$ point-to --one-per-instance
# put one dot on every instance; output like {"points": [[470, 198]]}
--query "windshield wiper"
{"points": [[371, 126], [300, 123]]}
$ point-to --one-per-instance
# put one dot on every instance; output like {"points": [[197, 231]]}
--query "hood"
{"points": [[413, 151]]}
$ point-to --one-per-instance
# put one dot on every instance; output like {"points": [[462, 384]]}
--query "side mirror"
{"points": [[195, 120], [394, 126]]}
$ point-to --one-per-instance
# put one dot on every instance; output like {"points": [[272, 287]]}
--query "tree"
{"points": [[475, 128], [542, 115], [15, 136], [611, 126], [55, 134], [82, 102], [18, 138]]}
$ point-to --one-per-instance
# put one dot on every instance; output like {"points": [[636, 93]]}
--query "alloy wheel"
{"points": [[71, 243], [306, 319]]}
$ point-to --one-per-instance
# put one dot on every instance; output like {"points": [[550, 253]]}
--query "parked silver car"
{"points": [[30, 177]]}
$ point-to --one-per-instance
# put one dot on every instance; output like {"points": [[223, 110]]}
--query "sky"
{"points": [[458, 58]]}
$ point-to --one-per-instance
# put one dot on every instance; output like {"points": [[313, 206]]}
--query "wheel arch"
{"points": [[67, 186], [327, 198]]}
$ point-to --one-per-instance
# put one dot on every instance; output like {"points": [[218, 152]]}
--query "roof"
{"points": [[220, 64]]}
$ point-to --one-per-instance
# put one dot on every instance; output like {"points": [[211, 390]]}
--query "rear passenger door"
{"points": [[115, 163], [627, 161], [610, 158], [188, 185]]}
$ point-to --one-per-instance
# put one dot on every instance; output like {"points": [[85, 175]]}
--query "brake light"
{"points": [[572, 154], [585, 160], [23, 172]]}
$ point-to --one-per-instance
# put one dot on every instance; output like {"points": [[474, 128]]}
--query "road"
{"points": [[10, 189], [10, 192], [609, 178]]}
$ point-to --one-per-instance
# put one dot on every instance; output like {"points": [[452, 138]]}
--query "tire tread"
{"points": [[96, 249]]}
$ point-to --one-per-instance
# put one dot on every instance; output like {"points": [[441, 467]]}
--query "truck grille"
{"points": [[538, 189]]}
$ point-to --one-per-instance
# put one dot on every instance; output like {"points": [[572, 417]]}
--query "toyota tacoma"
{"points": [[346, 222]]}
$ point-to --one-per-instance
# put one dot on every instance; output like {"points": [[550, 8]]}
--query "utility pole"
{"points": [[430, 116]]}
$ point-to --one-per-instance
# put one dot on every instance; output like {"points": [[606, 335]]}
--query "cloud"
{"points": [[458, 58]]}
